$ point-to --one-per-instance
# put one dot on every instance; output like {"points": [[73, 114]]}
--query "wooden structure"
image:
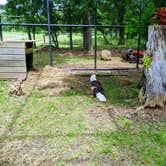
{"points": [[16, 57]]}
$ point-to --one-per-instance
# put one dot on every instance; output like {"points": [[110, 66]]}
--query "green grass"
{"points": [[67, 126], [145, 144], [63, 122], [63, 39], [116, 94], [42, 59]]}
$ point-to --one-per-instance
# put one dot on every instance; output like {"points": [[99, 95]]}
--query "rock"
{"points": [[106, 55]]}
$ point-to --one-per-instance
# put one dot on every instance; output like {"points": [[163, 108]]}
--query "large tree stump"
{"points": [[155, 90]]}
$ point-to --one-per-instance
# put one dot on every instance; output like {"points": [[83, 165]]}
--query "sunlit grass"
{"points": [[64, 40], [62, 121]]}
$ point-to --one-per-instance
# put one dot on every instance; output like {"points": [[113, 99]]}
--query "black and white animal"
{"points": [[126, 55], [97, 89]]}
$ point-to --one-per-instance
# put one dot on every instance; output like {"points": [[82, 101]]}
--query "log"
{"points": [[155, 89]]}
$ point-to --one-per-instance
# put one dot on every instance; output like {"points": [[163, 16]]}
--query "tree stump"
{"points": [[155, 89]]}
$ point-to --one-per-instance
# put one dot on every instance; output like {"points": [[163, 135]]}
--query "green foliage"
{"points": [[147, 60], [108, 12]]}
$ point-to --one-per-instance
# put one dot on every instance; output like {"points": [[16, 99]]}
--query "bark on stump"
{"points": [[155, 89]]}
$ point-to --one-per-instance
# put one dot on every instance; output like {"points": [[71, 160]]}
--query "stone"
{"points": [[106, 55]]}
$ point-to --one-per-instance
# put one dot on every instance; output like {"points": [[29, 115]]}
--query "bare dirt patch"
{"points": [[144, 115], [99, 117], [69, 52], [148, 115], [116, 62]]}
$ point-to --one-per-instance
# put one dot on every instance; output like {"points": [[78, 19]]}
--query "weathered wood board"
{"points": [[13, 57]]}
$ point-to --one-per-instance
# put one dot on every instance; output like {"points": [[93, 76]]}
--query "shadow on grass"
{"points": [[125, 95]]}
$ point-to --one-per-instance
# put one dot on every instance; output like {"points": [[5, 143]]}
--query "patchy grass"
{"points": [[73, 128], [115, 93], [59, 60], [144, 144]]}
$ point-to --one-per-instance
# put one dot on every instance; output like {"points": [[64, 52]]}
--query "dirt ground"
{"points": [[68, 52], [116, 61], [42, 151], [54, 81]]}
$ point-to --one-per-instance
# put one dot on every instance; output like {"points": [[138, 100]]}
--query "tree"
{"points": [[28, 10], [117, 10], [120, 5], [35, 11], [87, 31], [154, 91], [159, 3], [105, 11]]}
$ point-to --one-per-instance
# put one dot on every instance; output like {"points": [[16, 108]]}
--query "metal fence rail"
{"points": [[68, 25], [95, 26]]}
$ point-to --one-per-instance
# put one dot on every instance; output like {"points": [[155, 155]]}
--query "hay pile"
{"points": [[51, 77], [54, 79]]}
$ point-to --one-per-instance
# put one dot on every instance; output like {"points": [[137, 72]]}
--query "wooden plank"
{"points": [[10, 63], [12, 45], [19, 41], [13, 51], [9, 76], [12, 69], [12, 57]]}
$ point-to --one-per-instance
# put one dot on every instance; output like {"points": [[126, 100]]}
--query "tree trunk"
{"points": [[116, 34], [54, 35], [121, 36], [87, 34], [155, 90], [106, 41], [34, 35], [121, 13], [29, 33]]}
